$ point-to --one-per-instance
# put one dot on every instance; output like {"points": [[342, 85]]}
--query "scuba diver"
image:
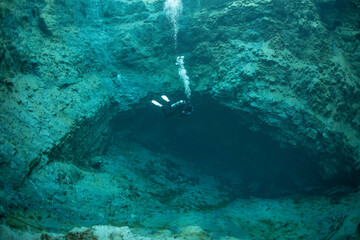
{"points": [[183, 108]]}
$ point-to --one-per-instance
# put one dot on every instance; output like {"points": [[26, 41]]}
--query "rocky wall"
{"points": [[290, 66], [287, 68], [63, 74], [35, 119]]}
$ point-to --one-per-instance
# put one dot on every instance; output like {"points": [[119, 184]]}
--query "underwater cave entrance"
{"points": [[216, 140]]}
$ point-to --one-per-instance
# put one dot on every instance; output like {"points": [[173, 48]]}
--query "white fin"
{"points": [[165, 98], [156, 103]]}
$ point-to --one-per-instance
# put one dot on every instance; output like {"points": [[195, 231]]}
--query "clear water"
{"points": [[271, 150]]}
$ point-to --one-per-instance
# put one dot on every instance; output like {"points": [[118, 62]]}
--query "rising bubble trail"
{"points": [[173, 10], [184, 77]]}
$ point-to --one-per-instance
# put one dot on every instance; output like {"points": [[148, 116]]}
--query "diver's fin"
{"points": [[156, 103], [165, 98]]}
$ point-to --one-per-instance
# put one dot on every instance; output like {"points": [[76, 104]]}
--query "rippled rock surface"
{"points": [[272, 149]]}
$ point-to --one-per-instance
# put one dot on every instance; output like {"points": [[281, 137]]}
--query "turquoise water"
{"points": [[170, 119]]}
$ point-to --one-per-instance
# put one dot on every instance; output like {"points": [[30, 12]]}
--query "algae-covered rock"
{"points": [[289, 69], [286, 70]]}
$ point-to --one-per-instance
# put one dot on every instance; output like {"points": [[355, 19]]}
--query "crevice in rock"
{"points": [[269, 153], [193, 169], [219, 140]]}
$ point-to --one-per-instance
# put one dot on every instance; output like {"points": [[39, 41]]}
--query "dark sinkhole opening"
{"points": [[152, 173], [215, 140]]}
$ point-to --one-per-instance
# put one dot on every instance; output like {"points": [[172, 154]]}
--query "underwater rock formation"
{"points": [[71, 69], [284, 65]]}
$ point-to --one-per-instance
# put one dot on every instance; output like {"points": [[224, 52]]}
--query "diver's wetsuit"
{"points": [[183, 108], [180, 107]]}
